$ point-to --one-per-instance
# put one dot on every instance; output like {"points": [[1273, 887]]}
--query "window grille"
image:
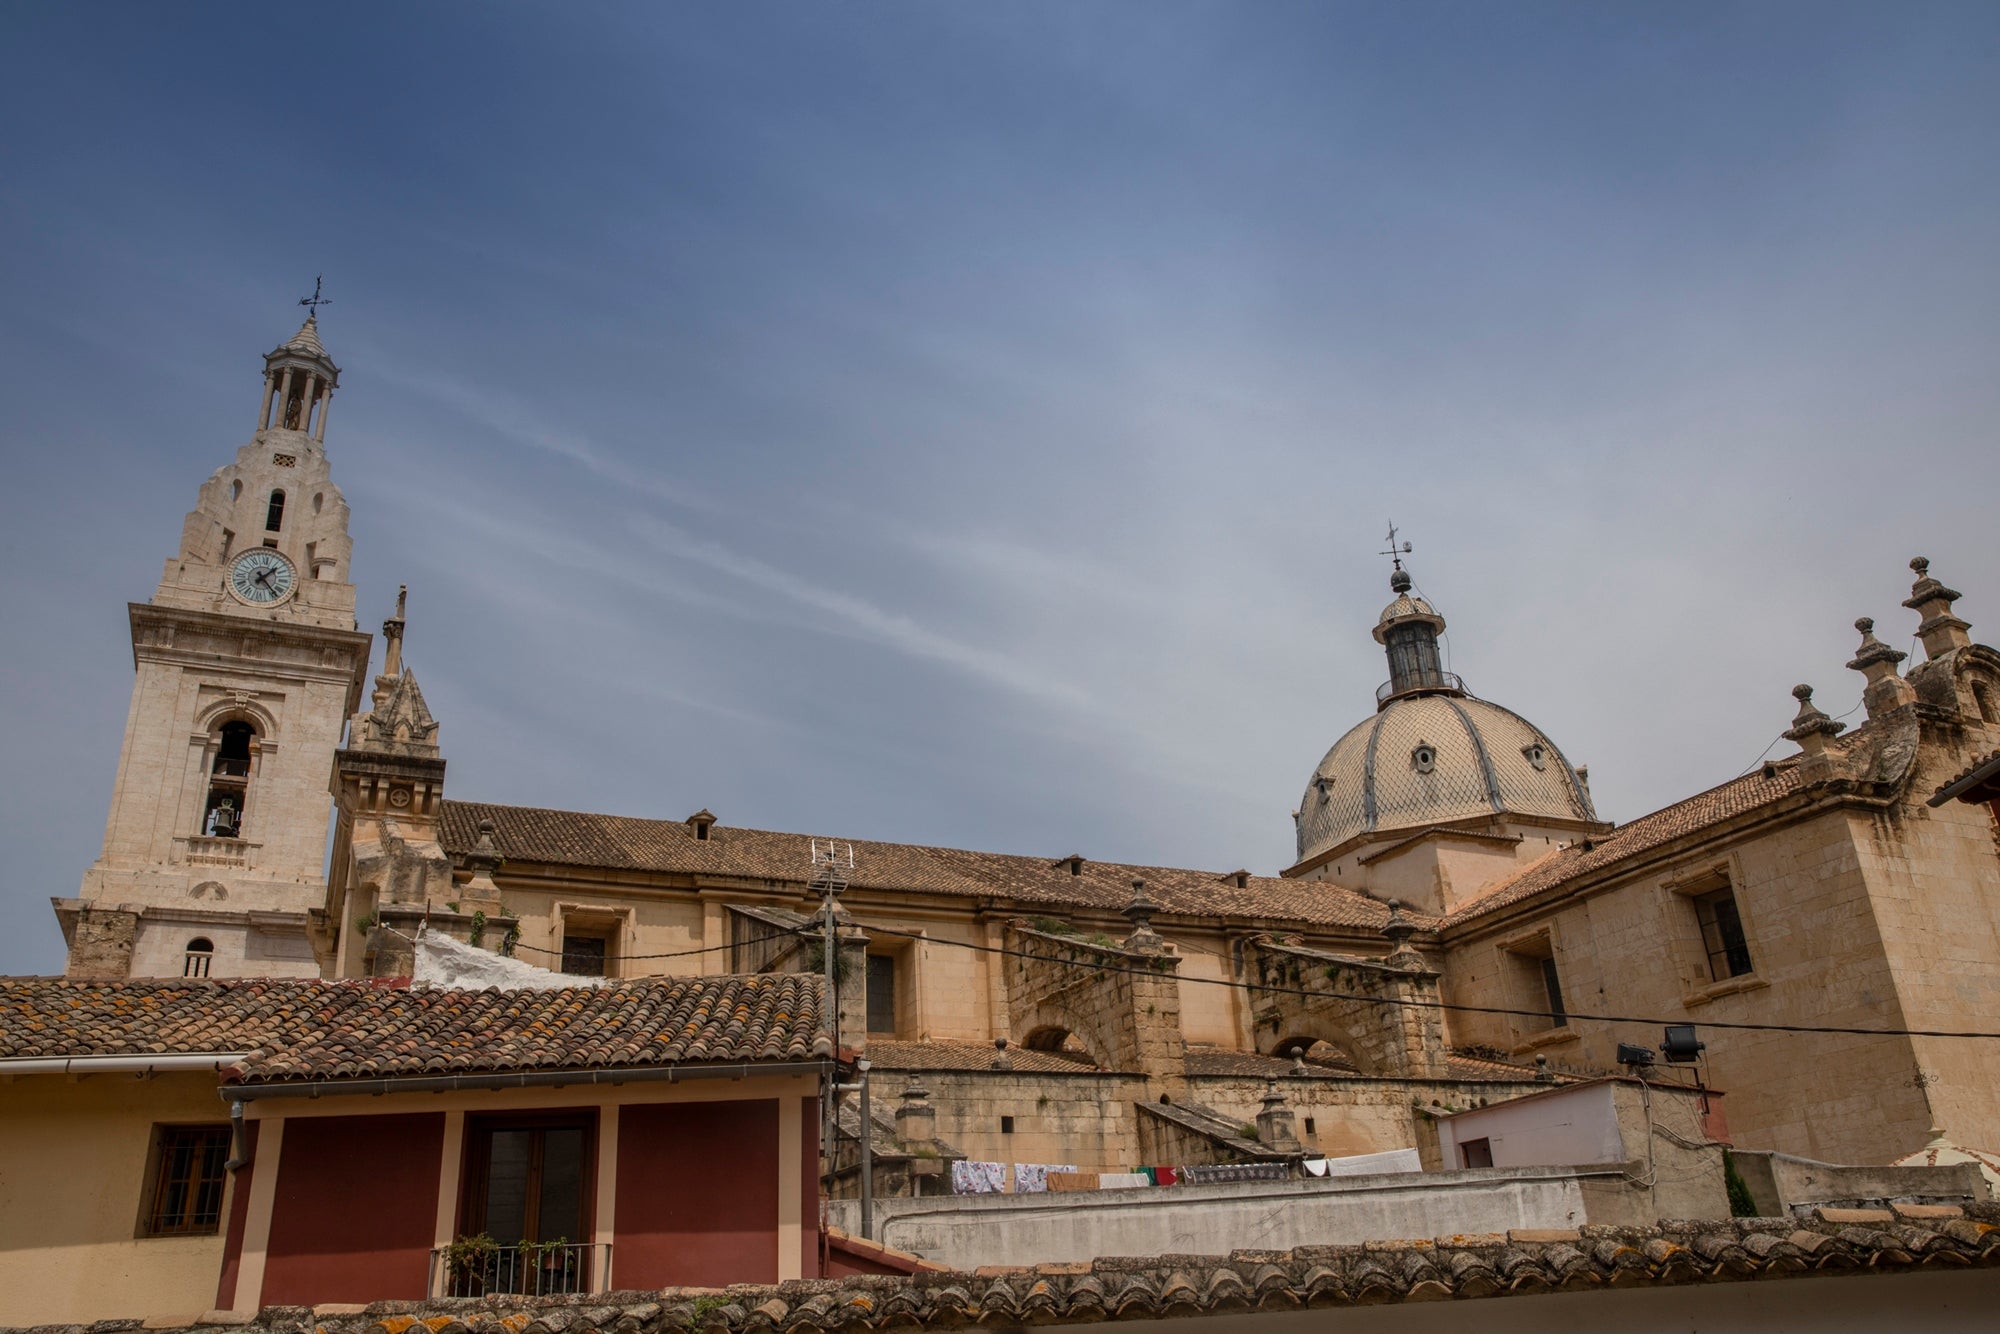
{"points": [[200, 954], [1722, 934], [188, 1180]]}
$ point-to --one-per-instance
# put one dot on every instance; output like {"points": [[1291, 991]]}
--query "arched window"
{"points": [[228, 782], [200, 953], [274, 517]]}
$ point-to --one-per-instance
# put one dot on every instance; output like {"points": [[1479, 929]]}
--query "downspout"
{"points": [[239, 1139]]}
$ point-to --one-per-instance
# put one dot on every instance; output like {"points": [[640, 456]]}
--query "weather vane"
{"points": [[1395, 552], [315, 301]]}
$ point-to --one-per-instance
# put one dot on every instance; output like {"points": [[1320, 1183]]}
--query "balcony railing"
{"points": [[520, 1271], [1430, 681], [199, 850]]}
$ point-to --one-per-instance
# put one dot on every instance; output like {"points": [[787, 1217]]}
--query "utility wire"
{"points": [[1441, 1005]]}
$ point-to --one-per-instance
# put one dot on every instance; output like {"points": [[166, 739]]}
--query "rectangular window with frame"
{"points": [[584, 956], [1537, 982], [1722, 936], [188, 1180], [881, 993], [529, 1179], [1553, 990]]}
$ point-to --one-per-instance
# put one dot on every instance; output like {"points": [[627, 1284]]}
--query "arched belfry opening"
{"points": [[299, 380], [229, 781]]}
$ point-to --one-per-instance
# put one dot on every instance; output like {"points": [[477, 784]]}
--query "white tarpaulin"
{"points": [[444, 962]]}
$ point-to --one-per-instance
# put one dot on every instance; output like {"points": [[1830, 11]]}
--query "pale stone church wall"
{"points": [[1935, 880], [1633, 949], [1085, 1119], [1352, 1116], [160, 949], [1211, 1015], [643, 923]]}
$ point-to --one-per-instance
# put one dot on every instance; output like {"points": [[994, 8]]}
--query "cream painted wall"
{"points": [[1803, 893], [72, 1178]]}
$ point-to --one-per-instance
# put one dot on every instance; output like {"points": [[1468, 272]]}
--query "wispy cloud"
{"points": [[848, 614]]}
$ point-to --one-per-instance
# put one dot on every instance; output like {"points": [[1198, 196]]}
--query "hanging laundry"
{"points": [[1167, 1176], [1065, 1181], [1033, 1178], [1315, 1167], [1209, 1174], [1122, 1180], [975, 1178]]}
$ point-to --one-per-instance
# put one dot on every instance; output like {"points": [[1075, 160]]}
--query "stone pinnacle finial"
{"points": [[1876, 661], [1139, 912], [485, 858], [1940, 630], [392, 635], [1811, 728]]}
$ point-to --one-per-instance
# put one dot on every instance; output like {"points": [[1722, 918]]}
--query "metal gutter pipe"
{"points": [[670, 1074], [118, 1065]]}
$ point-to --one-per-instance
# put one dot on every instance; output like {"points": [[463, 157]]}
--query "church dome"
{"points": [[1433, 753], [1427, 759]]}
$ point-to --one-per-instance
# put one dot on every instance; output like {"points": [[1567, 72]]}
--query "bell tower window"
{"points": [[274, 516], [228, 782], [200, 954]]}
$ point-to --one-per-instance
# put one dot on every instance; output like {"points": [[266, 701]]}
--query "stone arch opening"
{"points": [[1316, 1049], [1056, 1038]]}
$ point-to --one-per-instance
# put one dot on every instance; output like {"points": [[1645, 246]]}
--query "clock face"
{"points": [[262, 577]]}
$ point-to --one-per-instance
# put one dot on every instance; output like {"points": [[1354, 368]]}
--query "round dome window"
{"points": [[1424, 758]]}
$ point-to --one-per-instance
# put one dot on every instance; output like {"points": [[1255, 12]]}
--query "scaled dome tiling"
{"points": [[1481, 760]]}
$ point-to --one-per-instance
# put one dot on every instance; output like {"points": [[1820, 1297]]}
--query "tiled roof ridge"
{"points": [[1033, 881], [1906, 1239], [1641, 834], [310, 1029], [868, 843]]}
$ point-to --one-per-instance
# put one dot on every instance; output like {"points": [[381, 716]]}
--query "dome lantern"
{"points": [[1408, 629]]}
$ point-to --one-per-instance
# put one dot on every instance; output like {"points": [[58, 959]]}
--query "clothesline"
{"points": [[971, 1176]]}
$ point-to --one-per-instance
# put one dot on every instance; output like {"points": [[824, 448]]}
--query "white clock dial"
{"points": [[262, 577]]}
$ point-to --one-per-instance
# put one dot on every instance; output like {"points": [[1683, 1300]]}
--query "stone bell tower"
{"points": [[248, 664]]}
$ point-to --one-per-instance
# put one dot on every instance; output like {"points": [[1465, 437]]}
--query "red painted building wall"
{"points": [[356, 1202], [698, 1195], [239, 1209], [809, 1251]]}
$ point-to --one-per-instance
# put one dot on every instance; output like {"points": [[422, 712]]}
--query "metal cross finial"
{"points": [[315, 301], [1395, 552]]}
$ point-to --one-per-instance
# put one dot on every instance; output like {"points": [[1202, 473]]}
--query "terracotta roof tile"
{"points": [[630, 843], [1241, 1284], [1648, 831], [332, 1030]]}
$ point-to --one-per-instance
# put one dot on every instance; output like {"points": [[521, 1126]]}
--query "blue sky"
{"points": [[975, 424]]}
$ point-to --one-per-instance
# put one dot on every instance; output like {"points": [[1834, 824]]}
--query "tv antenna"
{"points": [[831, 863], [315, 301]]}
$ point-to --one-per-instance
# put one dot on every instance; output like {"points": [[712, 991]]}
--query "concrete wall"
{"points": [[73, 1159], [1782, 1184], [968, 1231], [1566, 1127], [1671, 1166]]}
